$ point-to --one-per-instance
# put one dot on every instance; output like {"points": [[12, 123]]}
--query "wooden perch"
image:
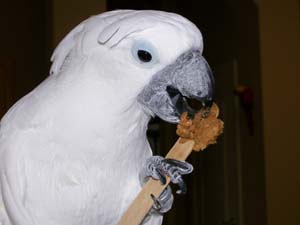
{"points": [[195, 134]]}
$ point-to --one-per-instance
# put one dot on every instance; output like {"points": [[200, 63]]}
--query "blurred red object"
{"points": [[246, 97]]}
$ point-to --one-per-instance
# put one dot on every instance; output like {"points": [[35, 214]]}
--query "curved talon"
{"points": [[183, 167], [164, 202], [158, 168], [182, 187], [156, 203], [161, 176], [175, 169]]}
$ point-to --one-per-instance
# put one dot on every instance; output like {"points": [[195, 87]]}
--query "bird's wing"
{"points": [[12, 173], [64, 48], [12, 187]]}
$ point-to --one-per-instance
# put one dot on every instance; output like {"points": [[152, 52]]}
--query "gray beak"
{"points": [[188, 77]]}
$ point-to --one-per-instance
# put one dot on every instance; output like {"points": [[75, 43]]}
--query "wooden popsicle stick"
{"points": [[143, 202], [196, 134]]}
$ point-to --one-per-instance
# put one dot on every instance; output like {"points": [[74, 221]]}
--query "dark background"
{"points": [[253, 179]]}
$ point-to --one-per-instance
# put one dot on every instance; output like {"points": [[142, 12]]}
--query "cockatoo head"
{"points": [[151, 58]]}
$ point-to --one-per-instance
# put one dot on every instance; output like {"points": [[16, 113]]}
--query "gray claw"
{"points": [[182, 187], [158, 168], [183, 167], [156, 203], [164, 202], [175, 169], [161, 177]]}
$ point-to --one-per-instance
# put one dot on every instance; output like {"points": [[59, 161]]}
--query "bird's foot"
{"points": [[165, 201], [158, 168]]}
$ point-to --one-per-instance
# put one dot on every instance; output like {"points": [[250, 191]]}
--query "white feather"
{"points": [[71, 150]]}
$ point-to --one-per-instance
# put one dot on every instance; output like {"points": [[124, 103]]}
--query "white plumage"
{"points": [[72, 149]]}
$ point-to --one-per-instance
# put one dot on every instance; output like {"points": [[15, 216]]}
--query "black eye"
{"points": [[144, 56]]}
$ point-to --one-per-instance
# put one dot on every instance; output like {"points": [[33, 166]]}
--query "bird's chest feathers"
{"points": [[106, 148], [100, 167], [100, 144], [83, 153]]}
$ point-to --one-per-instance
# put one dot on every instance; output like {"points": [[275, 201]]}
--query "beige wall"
{"points": [[69, 13], [279, 40]]}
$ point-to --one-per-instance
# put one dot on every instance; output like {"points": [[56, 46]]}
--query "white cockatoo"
{"points": [[73, 150]]}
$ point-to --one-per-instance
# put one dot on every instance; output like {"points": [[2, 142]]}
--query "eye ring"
{"points": [[144, 53]]}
